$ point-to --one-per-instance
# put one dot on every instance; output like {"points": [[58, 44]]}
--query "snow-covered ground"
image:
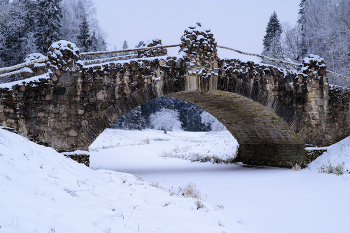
{"points": [[259, 199], [337, 155], [179, 144], [42, 191]]}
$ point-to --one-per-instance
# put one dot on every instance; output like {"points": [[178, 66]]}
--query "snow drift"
{"points": [[43, 191]]}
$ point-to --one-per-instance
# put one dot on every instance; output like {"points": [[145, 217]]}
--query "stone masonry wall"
{"points": [[300, 99], [62, 111]]}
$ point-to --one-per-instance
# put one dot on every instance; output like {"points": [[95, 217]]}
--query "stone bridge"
{"points": [[273, 113]]}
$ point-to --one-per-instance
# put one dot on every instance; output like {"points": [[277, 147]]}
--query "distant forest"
{"points": [[166, 113], [323, 28], [31, 26]]}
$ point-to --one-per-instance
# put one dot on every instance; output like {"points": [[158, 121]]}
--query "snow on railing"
{"points": [[23, 65], [261, 56], [127, 50], [19, 66], [337, 75], [280, 61], [87, 62]]}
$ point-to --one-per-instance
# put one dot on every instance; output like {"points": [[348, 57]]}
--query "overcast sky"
{"points": [[238, 24]]}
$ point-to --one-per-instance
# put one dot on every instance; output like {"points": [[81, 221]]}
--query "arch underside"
{"points": [[264, 138]]}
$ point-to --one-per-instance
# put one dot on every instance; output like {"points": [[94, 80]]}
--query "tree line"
{"points": [[31, 26], [323, 28], [166, 113]]}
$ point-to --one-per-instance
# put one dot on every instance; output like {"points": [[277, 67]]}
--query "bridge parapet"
{"points": [[199, 48], [157, 51]]}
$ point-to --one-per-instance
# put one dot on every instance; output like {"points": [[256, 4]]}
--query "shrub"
{"points": [[338, 170], [296, 167]]}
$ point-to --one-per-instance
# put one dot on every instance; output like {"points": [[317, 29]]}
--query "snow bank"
{"points": [[337, 154], [43, 191]]}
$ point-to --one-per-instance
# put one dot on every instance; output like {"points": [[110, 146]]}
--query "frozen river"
{"points": [[260, 199]]}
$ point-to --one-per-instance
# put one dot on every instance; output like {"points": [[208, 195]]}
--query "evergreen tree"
{"points": [[131, 120], [48, 24], [29, 40], [94, 43], [98, 42], [11, 32], [125, 46], [139, 44], [272, 39], [84, 37], [302, 23]]}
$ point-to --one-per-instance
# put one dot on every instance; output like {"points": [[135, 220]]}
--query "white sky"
{"points": [[238, 24]]}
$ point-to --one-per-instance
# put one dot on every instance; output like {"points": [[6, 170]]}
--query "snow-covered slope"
{"points": [[42, 191], [337, 154]]}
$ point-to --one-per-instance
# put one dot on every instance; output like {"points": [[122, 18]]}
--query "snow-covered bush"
{"points": [[296, 167], [211, 121], [165, 119], [338, 170]]}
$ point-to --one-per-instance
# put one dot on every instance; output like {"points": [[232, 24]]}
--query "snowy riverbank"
{"points": [[42, 191], [259, 199]]}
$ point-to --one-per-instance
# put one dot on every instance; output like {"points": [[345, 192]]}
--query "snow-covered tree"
{"points": [[139, 44], [291, 42], [272, 39], [98, 42], [12, 15], [48, 23], [326, 32], [131, 120], [125, 46], [134, 119], [165, 119], [28, 41], [211, 122], [302, 27], [75, 12]]}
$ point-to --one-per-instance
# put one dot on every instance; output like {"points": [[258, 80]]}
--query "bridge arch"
{"points": [[264, 138]]}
